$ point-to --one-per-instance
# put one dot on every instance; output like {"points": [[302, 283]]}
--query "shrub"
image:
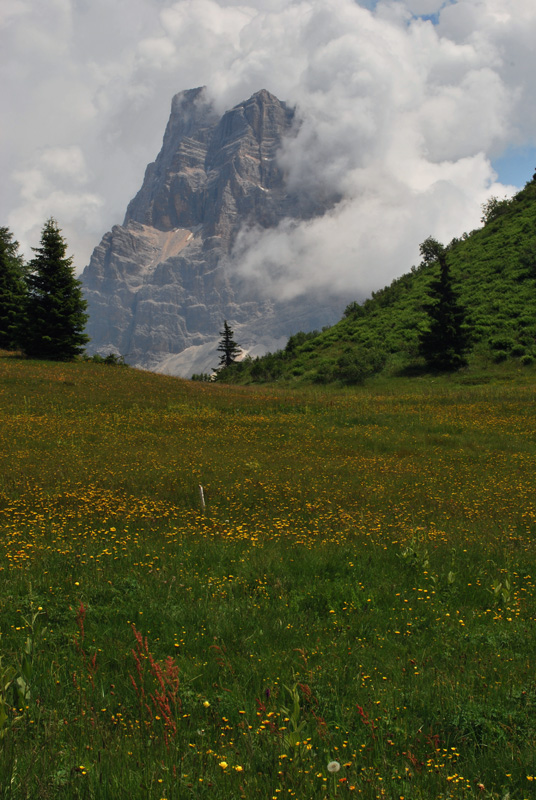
{"points": [[357, 363], [494, 208], [353, 310], [324, 373], [501, 343], [518, 350], [113, 359], [298, 339]]}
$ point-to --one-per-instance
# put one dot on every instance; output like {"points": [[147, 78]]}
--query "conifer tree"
{"points": [[228, 347], [56, 307], [12, 291], [444, 343]]}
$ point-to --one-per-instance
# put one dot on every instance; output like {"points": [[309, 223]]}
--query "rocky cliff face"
{"points": [[160, 285]]}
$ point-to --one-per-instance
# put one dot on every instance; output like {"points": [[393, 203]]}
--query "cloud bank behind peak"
{"points": [[401, 116]]}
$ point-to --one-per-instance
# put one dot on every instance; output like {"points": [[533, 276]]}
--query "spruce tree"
{"points": [[228, 347], [56, 307], [444, 343], [12, 291]]}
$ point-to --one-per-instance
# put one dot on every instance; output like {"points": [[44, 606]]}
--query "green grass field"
{"points": [[358, 591]]}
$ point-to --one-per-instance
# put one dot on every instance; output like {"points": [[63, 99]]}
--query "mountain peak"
{"points": [[162, 282], [264, 96], [179, 188]]}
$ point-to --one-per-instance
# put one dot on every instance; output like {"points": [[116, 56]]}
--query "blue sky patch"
{"points": [[516, 166]]}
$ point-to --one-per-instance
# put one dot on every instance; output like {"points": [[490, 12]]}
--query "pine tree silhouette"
{"points": [[444, 343], [56, 315], [228, 347]]}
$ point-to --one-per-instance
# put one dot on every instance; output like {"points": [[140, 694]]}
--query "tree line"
{"points": [[42, 309], [43, 312]]}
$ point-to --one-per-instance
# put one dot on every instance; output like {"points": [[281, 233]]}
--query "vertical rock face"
{"points": [[215, 172], [159, 286]]}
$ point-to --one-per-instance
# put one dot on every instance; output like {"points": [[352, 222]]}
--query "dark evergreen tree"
{"points": [[444, 343], [55, 308], [12, 291], [228, 347]]}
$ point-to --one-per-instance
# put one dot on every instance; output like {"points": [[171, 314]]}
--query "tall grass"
{"points": [[358, 590]]}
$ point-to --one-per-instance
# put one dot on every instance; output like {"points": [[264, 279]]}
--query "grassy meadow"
{"points": [[352, 613]]}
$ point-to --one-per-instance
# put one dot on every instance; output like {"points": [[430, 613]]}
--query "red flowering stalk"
{"points": [[366, 720], [164, 699]]}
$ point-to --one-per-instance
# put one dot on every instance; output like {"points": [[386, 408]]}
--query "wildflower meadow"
{"points": [[214, 591]]}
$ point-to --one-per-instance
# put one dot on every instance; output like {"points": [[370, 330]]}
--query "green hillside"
{"points": [[494, 274]]}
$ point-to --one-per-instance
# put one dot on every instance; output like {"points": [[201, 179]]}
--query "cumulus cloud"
{"points": [[55, 185], [368, 239], [402, 122], [401, 116]]}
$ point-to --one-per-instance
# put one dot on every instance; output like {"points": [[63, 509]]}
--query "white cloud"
{"points": [[56, 185], [67, 162], [366, 241], [406, 146], [11, 9], [400, 116]]}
